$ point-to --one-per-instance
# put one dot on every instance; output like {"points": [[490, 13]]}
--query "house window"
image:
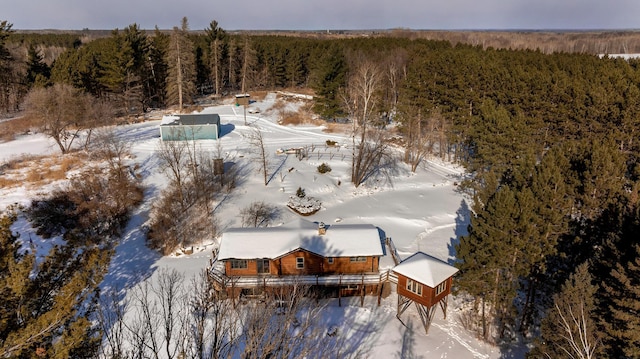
{"points": [[238, 264], [358, 259], [414, 287], [441, 287], [300, 262], [330, 260], [263, 266]]}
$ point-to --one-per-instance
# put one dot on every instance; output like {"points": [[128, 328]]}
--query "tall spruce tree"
{"points": [[621, 318], [328, 78], [217, 39], [38, 72], [158, 67], [8, 73]]}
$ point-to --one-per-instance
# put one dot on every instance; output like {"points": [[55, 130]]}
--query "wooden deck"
{"points": [[222, 281]]}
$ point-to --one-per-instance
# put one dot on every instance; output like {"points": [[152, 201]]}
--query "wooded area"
{"points": [[547, 135]]}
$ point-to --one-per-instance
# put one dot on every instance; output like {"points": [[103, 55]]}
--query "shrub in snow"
{"points": [[300, 193], [324, 168], [304, 206]]}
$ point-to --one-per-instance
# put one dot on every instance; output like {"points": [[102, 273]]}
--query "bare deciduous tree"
{"points": [[181, 62], [112, 148], [112, 325], [256, 139], [259, 214], [63, 112], [569, 330], [248, 60], [361, 100], [173, 160]]}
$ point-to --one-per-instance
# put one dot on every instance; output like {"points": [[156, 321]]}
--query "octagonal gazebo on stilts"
{"points": [[425, 281]]}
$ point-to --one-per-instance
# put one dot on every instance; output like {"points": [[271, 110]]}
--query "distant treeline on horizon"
{"points": [[623, 41]]}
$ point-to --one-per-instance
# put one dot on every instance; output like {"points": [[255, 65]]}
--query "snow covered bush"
{"points": [[304, 206], [324, 168]]}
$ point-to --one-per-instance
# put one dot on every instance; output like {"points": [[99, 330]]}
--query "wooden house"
{"points": [[190, 127], [425, 281], [344, 257]]}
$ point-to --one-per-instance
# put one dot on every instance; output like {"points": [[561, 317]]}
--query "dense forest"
{"points": [[548, 138]]}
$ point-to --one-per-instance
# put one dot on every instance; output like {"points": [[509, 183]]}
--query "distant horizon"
{"points": [[361, 30], [333, 15]]}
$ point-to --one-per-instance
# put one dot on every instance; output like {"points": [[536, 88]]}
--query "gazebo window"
{"points": [[414, 287], [441, 287]]}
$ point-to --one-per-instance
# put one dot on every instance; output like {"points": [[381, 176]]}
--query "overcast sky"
{"points": [[323, 14]]}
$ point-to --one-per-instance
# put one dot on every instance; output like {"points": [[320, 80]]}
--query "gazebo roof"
{"points": [[425, 269]]}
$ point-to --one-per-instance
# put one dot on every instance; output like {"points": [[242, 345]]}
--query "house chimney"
{"points": [[321, 228]]}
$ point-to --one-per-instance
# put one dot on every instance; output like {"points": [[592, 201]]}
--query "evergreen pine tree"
{"points": [[46, 306], [217, 39], [622, 314], [38, 72], [329, 77]]}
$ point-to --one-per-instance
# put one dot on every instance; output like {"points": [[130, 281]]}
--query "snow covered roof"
{"points": [[425, 269], [191, 119], [340, 240]]}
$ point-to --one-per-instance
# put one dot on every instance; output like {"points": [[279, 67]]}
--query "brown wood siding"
{"points": [[428, 297], [312, 263], [343, 265], [251, 270], [444, 293], [424, 299]]}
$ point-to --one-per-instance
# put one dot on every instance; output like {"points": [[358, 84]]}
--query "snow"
{"points": [[169, 119], [27, 145], [340, 240], [420, 211], [425, 269]]}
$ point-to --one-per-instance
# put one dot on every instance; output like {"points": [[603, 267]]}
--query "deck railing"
{"points": [[218, 275]]}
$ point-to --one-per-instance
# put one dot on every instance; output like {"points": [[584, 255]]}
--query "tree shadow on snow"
{"points": [[351, 329], [463, 218], [407, 349], [132, 261]]}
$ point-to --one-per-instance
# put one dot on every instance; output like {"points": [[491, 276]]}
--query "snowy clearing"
{"points": [[419, 211]]}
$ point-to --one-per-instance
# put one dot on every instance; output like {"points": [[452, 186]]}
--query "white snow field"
{"points": [[419, 211]]}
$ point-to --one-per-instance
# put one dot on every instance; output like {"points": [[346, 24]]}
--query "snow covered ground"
{"points": [[418, 211]]}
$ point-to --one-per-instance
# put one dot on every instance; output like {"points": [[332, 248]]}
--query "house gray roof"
{"points": [[340, 240]]}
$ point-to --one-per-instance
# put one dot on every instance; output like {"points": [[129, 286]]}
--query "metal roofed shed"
{"points": [[190, 127]]}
